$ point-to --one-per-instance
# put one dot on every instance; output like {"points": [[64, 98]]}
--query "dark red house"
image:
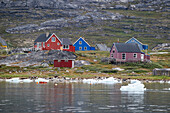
{"points": [[127, 52], [52, 42], [64, 63]]}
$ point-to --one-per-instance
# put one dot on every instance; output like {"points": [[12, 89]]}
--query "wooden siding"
{"points": [[64, 63]]}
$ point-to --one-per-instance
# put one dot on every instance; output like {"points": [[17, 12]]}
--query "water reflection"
{"points": [[78, 97]]}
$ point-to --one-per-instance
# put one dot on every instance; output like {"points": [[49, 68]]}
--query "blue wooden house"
{"points": [[82, 45], [141, 46]]}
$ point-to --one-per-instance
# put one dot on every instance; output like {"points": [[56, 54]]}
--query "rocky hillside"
{"points": [[99, 21]]}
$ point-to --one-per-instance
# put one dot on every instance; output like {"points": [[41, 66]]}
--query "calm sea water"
{"points": [[82, 98]]}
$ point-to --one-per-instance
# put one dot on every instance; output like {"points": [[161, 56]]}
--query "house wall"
{"points": [[83, 45], [63, 63], [52, 45], [129, 56], [38, 48], [71, 49]]}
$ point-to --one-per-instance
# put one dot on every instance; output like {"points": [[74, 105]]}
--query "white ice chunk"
{"points": [[135, 86], [18, 80], [41, 80], [109, 80], [13, 80], [27, 80]]}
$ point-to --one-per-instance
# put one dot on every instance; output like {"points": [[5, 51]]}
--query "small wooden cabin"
{"points": [[127, 52], [52, 42], [64, 63], [82, 45]]}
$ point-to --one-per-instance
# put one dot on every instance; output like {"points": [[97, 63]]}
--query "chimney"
{"points": [[47, 33]]}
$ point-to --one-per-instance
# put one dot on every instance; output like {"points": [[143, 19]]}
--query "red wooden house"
{"points": [[64, 63], [52, 42], [127, 52]]}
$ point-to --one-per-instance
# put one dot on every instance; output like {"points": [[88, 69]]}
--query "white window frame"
{"points": [[48, 45], [85, 48], [135, 55], [80, 48], [59, 60], [124, 56], [52, 39], [80, 42], [58, 43]]}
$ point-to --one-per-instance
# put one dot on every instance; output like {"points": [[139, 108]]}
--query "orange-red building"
{"points": [[52, 42]]}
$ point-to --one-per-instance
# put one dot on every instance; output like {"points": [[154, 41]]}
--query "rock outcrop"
{"points": [[39, 58]]}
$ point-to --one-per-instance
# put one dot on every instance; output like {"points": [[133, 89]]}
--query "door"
{"points": [[142, 57]]}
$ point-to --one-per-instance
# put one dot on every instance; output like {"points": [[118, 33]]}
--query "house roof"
{"points": [[66, 41], [42, 38], [127, 47], [2, 41], [82, 39], [134, 39]]}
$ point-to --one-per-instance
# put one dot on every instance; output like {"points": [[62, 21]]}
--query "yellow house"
{"points": [[3, 43]]}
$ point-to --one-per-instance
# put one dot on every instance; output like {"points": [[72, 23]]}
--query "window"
{"points": [[135, 55], [58, 43], [66, 60], [123, 56], [65, 46], [80, 42], [80, 48], [111, 55], [113, 50], [48, 45], [43, 44], [85, 48], [39, 44], [59, 60], [53, 39]]}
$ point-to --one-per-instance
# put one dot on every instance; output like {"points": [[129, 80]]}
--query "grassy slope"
{"points": [[96, 68], [145, 27]]}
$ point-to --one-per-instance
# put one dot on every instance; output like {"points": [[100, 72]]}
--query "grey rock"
{"points": [[39, 58]]}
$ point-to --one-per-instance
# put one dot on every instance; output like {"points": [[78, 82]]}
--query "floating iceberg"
{"points": [[134, 87], [110, 80]]}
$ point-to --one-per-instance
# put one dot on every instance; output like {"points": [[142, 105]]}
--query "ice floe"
{"points": [[110, 80], [134, 87], [18, 80]]}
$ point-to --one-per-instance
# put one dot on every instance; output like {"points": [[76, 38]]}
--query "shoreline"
{"points": [[90, 76]]}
